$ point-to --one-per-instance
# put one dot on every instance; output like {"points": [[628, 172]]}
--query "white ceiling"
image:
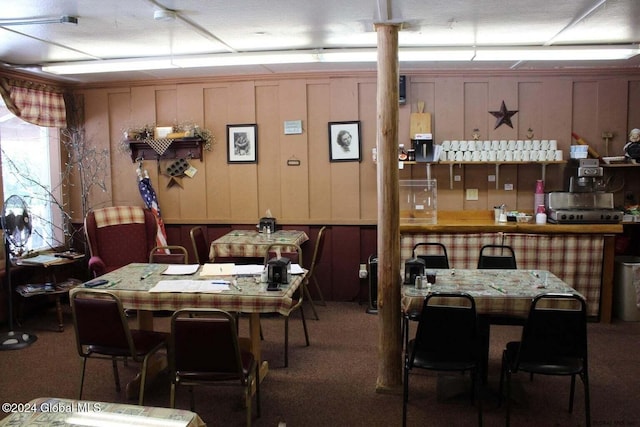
{"points": [[109, 29]]}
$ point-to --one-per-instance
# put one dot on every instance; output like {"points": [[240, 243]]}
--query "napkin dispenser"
{"points": [[413, 267], [278, 271], [267, 223]]}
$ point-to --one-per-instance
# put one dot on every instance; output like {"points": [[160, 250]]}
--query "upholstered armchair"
{"points": [[119, 235]]}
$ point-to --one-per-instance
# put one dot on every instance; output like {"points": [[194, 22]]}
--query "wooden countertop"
{"points": [[483, 222]]}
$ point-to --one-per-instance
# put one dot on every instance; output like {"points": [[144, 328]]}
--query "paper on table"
{"points": [[181, 269], [296, 269], [248, 270], [202, 286], [256, 269], [217, 269]]}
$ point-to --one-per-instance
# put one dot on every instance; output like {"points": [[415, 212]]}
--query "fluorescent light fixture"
{"points": [[109, 66], [414, 54], [33, 21], [557, 53], [255, 58], [436, 54]]}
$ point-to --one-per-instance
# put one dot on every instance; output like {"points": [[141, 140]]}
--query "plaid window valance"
{"points": [[38, 104]]}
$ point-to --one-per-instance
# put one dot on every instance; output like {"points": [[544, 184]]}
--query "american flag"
{"points": [[151, 201]]}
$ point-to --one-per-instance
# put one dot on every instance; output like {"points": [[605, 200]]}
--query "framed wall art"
{"points": [[344, 142], [242, 143]]}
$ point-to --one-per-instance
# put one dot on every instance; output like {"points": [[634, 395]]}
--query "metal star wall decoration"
{"points": [[503, 116]]}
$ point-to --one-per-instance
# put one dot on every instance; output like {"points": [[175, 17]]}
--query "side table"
{"points": [[48, 289], [49, 285]]}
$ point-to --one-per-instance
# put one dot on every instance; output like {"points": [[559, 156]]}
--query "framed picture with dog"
{"points": [[242, 143]]}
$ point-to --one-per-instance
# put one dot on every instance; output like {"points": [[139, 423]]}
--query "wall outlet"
{"points": [[472, 194], [508, 187], [492, 178], [363, 271], [457, 178]]}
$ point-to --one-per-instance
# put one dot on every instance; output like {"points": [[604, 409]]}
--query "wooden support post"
{"points": [[389, 338]]}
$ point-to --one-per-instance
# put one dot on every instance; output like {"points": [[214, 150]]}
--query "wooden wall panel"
{"points": [[612, 108], [476, 109], [243, 178], [122, 169], [474, 116], [345, 176], [421, 91], [633, 108], [218, 187], [585, 110], [97, 130], [503, 89], [319, 108], [269, 165], [166, 106], [322, 192], [530, 110], [368, 116], [294, 185]]}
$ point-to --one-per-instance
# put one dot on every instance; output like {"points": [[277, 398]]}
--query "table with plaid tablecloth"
{"points": [[496, 292], [251, 243], [132, 282], [52, 411]]}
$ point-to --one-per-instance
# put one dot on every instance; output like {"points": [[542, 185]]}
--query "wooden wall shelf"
{"points": [[179, 149], [497, 165]]}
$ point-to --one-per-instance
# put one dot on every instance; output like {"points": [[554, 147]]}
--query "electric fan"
{"points": [[16, 225]]}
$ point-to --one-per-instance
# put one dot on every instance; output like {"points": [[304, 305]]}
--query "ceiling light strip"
{"points": [[548, 53]]}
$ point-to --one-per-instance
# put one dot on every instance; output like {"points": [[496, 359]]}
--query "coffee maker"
{"points": [[587, 177], [586, 202]]}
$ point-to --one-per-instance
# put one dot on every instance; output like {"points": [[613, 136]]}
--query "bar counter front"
{"points": [[582, 255]]}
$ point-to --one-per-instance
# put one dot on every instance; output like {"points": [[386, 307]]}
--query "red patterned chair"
{"points": [[119, 235]]}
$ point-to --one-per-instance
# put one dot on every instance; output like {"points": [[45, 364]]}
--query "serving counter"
{"points": [[582, 255]]}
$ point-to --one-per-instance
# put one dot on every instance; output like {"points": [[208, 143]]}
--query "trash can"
{"points": [[626, 279]]}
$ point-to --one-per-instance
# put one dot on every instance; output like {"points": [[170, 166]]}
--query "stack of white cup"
{"points": [[528, 150]]}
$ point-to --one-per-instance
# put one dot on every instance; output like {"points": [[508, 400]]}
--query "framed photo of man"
{"points": [[344, 142], [242, 143]]}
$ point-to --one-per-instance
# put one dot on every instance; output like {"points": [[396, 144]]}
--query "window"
{"points": [[31, 169]]}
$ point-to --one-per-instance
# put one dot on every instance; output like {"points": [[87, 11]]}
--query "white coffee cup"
{"points": [[495, 144], [451, 155], [542, 155], [446, 144], [462, 145], [535, 144], [528, 144], [520, 144], [475, 156], [558, 155], [526, 156], [508, 156], [544, 144], [459, 156], [484, 156], [500, 156], [486, 145], [493, 155], [455, 145], [503, 144], [517, 156], [471, 145], [511, 144], [551, 155], [466, 156], [553, 144], [443, 155]]}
